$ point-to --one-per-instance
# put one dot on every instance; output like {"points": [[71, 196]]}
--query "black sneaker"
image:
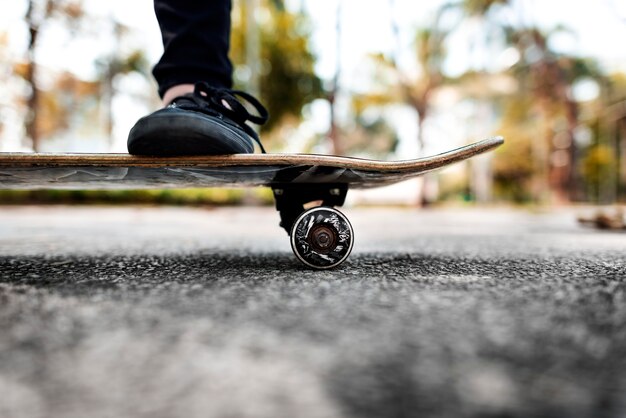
{"points": [[208, 121]]}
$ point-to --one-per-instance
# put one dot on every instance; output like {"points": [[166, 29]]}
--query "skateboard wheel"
{"points": [[322, 238]]}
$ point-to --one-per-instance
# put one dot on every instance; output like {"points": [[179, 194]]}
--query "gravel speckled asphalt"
{"points": [[163, 312]]}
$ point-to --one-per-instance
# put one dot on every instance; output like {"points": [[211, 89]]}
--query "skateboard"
{"points": [[321, 237]]}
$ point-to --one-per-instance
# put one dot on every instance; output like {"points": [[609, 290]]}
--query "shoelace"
{"points": [[211, 100]]}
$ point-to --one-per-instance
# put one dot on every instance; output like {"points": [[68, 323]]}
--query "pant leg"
{"points": [[196, 38]]}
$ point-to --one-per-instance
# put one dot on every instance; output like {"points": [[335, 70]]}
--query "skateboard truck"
{"points": [[321, 237]]}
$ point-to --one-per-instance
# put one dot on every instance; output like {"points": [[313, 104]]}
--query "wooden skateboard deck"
{"points": [[123, 171], [321, 237]]}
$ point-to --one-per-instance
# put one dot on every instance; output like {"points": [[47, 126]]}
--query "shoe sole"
{"points": [[174, 132]]}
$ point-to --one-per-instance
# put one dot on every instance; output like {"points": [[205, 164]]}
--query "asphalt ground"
{"points": [[174, 312]]}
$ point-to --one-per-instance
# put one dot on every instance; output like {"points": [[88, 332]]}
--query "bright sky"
{"points": [[600, 26]]}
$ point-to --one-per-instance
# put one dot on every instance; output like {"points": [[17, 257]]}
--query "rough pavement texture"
{"points": [[149, 312]]}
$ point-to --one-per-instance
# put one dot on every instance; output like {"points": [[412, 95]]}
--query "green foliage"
{"points": [[67, 103], [135, 61], [598, 165], [371, 137], [481, 7], [287, 79], [546, 78], [215, 196], [514, 168], [431, 51]]}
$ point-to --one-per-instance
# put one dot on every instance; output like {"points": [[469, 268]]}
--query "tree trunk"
{"points": [[621, 129], [423, 197], [566, 177], [333, 133], [32, 102], [572, 182]]}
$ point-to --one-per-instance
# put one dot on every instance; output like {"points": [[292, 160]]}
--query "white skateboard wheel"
{"points": [[322, 238]]}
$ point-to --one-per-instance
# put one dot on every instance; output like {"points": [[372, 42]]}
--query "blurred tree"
{"points": [[333, 92], [430, 53], [368, 136], [38, 13], [56, 110], [414, 91], [598, 164], [517, 176], [5, 69], [287, 78], [114, 64], [547, 77], [70, 99], [611, 133], [136, 61]]}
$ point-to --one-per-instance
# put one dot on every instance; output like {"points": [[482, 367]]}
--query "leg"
{"points": [[202, 115], [196, 38]]}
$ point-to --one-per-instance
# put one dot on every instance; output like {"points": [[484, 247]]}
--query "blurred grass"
{"points": [[177, 197]]}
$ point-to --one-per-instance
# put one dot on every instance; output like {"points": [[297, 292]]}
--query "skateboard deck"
{"points": [[321, 237], [123, 171]]}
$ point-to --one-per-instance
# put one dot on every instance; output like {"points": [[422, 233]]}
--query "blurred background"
{"points": [[386, 79]]}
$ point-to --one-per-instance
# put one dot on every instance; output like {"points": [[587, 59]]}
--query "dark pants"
{"points": [[196, 35]]}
